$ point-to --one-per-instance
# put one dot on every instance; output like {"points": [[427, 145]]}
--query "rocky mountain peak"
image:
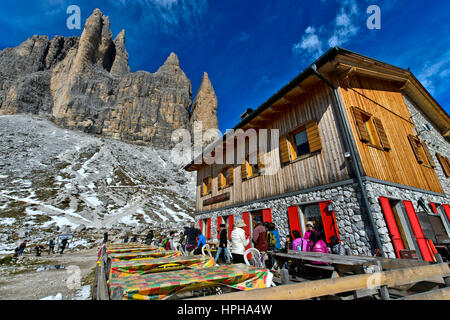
{"points": [[85, 83], [204, 109], [172, 60]]}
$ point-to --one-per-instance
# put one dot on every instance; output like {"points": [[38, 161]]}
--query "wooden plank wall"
{"points": [[399, 165], [323, 168]]}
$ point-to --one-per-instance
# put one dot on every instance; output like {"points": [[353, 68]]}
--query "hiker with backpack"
{"points": [[168, 241], [223, 245], [51, 246], [260, 239], [273, 239], [239, 241]]}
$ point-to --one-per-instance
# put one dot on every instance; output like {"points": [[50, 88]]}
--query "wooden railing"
{"points": [[320, 288]]}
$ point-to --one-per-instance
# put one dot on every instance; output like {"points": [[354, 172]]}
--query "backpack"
{"points": [[167, 244], [271, 240], [164, 242]]}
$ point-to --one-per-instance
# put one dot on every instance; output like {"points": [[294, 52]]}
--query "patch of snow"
{"points": [[57, 297], [7, 221], [84, 293]]}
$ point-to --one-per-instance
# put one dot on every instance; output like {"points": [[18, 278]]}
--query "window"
{"points": [[300, 143], [253, 165], [370, 130], [445, 164], [250, 170], [226, 178], [206, 186], [421, 152]]}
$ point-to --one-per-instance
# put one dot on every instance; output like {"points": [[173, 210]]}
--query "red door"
{"points": [[246, 218], [230, 225], [418, 232], [433, 208], [267, 215], [219, 222], [294, 220], [329, 221], [208, 228], [447, 211], [392, 225]]}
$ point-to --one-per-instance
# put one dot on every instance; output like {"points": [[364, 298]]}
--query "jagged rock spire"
{"points": [[120, 65], [204, 109]]}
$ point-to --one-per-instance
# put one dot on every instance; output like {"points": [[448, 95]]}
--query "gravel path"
{"points": [[67, 274]]}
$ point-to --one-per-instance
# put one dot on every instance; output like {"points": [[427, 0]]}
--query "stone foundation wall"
{"points": [[353, 223], [354, 228]]}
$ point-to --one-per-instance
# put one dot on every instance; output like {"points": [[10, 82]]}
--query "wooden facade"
{"points": [[381, 127], [383, 100], [325, 165]]}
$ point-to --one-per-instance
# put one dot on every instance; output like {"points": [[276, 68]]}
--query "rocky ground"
{"points": [[55, 181], [68, 276]]}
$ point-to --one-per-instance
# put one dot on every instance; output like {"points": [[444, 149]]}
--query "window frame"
{"points": [[223, 177], [203, 193], [292, 147]]}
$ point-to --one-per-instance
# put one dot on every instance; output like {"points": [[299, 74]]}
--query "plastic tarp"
{"points": [[142, 255], [159, 286], [125, 268]]}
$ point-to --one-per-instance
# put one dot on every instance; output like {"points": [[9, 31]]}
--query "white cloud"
{"points": [[433, 75], [310, 43], [167, 15], [340, 31]]}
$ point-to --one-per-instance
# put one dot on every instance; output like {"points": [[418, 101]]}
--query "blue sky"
{"points": [[252, 48]]}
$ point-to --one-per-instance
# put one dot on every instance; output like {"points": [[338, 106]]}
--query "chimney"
{"points": [[246, 113]]}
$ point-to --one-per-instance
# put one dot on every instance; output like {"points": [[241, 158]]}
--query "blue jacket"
{"points": [[201, 241], [277, 236]]}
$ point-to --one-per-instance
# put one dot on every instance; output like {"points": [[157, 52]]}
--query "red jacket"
{"points": [[260, 238]]}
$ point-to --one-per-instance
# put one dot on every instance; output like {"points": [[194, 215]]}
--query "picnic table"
{"points": [[158, 286], [125, 268], [340, 264], [142, 255]]}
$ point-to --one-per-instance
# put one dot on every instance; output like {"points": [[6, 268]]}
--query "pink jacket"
{"points": [[300, 242], [319, 247]]}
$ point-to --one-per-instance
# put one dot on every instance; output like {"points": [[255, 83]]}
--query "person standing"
{"points": [[239, 241], [191, 236], [22, 247], [63, 245], [51, 246], [223, 245], [201, 242], [336, 247], [105, 237], [149, 238], [316, 244], [260, 236], [309, 229]]}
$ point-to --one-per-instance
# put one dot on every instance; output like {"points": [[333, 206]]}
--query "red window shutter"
{"points": [[200, 223], [267, 215], [219, 222], [447, 211], [433, 208], [294, 220], [418, 232], [392, 226], [246, 218], [230, 225], [329, 221], [208, 228]]}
